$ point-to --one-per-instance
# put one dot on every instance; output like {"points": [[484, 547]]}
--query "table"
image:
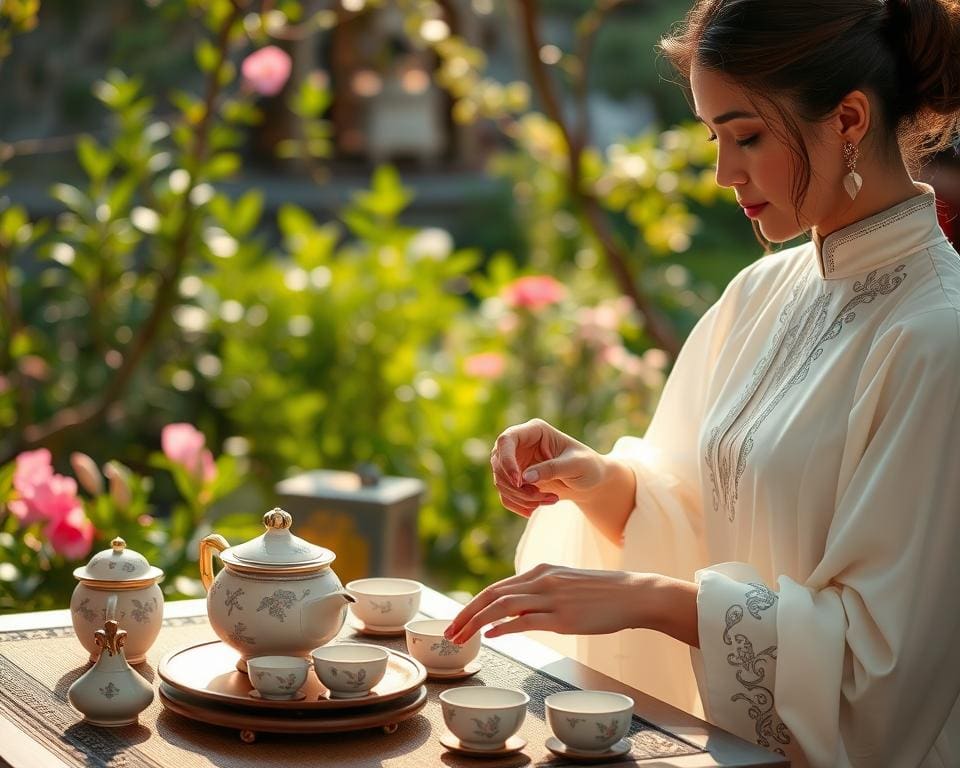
{"points": [[709, 746]]}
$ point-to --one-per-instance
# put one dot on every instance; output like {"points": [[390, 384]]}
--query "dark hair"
{"points": [[906, 53]]}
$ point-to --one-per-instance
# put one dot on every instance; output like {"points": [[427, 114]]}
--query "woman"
{"points": [[793, 513]]}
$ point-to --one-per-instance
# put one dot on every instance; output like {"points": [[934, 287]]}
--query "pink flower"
{"points": [[485, 365], [71, 535], [184, 444], [534, 292], [33, 470], [267, 70], [87, 472], [53, 499]]}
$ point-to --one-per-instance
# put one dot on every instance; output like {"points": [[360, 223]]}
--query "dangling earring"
{"points": [[852, 182]]}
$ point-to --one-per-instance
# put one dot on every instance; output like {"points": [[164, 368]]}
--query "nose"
{"points": [[730, 173]]}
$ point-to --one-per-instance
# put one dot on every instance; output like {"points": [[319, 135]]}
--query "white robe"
{"points": [[803, 466]]}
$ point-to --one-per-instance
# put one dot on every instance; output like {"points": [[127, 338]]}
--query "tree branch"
{"points": [[94, 410], [661, 331]]}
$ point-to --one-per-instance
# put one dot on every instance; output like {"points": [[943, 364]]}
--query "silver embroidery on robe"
{"points": [[795, 347]]}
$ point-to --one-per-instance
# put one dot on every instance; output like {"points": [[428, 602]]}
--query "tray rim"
{"points": [[318, 705], [265, 720]]}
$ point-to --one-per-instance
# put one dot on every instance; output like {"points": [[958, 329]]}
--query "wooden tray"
{"points": [[208, 671], [251, 722]]}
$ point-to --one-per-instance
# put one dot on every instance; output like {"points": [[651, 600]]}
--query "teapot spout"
{"points": [[323, 616]]}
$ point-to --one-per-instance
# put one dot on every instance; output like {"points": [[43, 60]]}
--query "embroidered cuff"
{"points": [[737, 619]]}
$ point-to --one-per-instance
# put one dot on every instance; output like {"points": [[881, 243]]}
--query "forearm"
{"points": [[609, 506], [666, 605]]}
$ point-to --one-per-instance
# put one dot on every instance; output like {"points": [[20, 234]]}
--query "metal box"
{"points": [[370, 522]]}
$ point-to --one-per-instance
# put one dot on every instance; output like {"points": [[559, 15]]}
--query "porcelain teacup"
{"points": [[426, 643], [350, 670], [385, 603], [589, 721], [278, 677], [483, 717]]}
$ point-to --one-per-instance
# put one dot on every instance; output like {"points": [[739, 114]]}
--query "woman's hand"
{"points": [[534, 464], [556, 598], [574, 601]]}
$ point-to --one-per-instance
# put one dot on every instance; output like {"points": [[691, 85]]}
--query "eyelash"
{"points": [[740, 142]]}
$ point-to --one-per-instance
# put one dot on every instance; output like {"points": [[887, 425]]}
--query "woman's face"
{"points": [[759, 167]]}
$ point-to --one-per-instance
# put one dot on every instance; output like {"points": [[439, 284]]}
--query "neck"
{"points": [[883, 187]]}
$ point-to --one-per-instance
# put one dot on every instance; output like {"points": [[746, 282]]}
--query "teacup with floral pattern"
{"points": [[278, 677], [483, 717], [589, 721], [426, 643], [350, 670], [385, 603]]}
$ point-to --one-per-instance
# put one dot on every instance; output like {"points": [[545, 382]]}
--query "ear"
{"points": [[850, 119]]}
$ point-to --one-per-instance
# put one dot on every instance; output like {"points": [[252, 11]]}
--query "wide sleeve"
{"points": [[663, 533], [857, 665]]}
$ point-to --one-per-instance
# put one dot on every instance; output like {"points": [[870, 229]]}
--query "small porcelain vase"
{"points": [[110, 693], [127, 576]]}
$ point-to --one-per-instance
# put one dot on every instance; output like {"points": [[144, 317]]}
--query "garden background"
{"points": [[240, 240]]}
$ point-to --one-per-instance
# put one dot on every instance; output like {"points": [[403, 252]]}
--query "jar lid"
{"points": [[118, 564], [278, 548]]}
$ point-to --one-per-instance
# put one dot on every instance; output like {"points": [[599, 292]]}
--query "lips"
{"points": [[752, 210]]}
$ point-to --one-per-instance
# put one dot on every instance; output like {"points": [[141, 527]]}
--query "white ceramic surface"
{"points": [[139, 611], [276, 594], [126, 575], [483, 717], [110, 693], [589, 721], [385, 603], [426, 643], [277, 677], [350, 670]]}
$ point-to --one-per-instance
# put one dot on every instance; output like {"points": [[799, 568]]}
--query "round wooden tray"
{"points": [[251, 722], [208, 671]]}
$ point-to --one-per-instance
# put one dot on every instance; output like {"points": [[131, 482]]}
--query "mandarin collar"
{"points": [[880, 239]]}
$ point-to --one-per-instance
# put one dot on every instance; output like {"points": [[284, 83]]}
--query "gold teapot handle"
{"points": [[207, 545]]}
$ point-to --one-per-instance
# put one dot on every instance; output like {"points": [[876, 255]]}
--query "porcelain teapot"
{"points": [[276, 595]]}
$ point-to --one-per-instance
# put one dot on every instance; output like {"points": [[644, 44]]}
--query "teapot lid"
{"points": [[278, 547], [118, 564]]}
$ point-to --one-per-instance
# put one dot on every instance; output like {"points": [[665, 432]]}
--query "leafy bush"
{"points": [[154, 298]]}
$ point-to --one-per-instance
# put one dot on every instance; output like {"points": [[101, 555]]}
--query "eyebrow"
{"points": [[726, 117]]}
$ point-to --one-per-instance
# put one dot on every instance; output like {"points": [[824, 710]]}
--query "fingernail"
{"points": [[531, 476]]}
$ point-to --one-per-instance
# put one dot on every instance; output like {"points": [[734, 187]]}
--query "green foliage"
{"points": [[154, 297]]}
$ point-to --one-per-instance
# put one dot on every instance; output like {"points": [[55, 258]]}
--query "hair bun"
{"points": [[929, 31]]}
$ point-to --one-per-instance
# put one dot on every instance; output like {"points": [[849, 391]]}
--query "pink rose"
{"points": [[534, 292], [485, 365], [32, 471], [184, 445], [33, 468], [267, 70], [71, 535]]}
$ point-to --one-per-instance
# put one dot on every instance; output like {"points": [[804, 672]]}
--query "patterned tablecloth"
{"points": [[37, 668]]}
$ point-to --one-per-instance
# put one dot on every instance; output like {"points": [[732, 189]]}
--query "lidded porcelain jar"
{"points": [[276, 594], [110, 693], [127, 575]]}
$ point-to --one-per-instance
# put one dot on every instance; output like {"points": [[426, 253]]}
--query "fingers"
{"points": [[512, 584], [504, 453], [501, 608], [526, 496], [561, 468], [528, 621]]}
